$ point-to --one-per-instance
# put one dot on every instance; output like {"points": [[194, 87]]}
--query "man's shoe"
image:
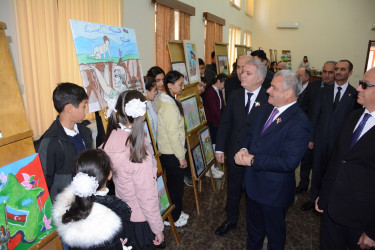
{"points": [[188, 181], [307, 206], [300, 190], [225, 228]]}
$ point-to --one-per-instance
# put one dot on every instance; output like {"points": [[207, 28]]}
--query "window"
{"points": [[213, 33], [250, 7], [247, 38], [234, 38], [236, 3]]}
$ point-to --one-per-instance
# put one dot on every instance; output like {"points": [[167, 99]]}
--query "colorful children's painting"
{"points": [[198, 160], [109, 62], [163, 197], [191, 62], [208, 151], [25, 205], [191, 113]]}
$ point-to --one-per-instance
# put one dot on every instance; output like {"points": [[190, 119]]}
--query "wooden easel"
{"points": [[17, 142]]}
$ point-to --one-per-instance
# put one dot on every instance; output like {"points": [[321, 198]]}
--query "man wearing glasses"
{"points": [[347, 196], [332, 106]]}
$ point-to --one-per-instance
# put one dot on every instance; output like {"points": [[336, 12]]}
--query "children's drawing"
{"points": [[191, 114], [208, 152], [198, 160], [28, 205], [181, 67], [109, 62], [191, 60], [162, 193]]}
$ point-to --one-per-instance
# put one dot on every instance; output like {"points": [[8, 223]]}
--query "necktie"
{"points": [[337, 98], [274, 112], [221, 99], [358, 130], [247, 107]]}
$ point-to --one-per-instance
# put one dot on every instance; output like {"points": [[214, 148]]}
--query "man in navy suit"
{"points": [[271, 153], [332, 106], [347, 195], [243, 108], [306, 102]]}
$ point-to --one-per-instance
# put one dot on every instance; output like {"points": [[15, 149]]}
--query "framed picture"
{"points": [[202, 115], [208, 151], [191, 60], [148, 135], [199, 165], [223, 64], [162, 194], [191, 114], [181, 67]]}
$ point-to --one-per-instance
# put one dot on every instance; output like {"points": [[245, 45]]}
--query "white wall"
{"points": [[329, 30]]}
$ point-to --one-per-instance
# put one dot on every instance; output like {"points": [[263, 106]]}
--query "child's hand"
{"points": [[159, 238]]}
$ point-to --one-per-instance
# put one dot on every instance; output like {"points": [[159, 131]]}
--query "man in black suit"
{"points": [[261, 56], [243, 107], [271, 153], [306, 102], [333, 104], [347, 196], [210, 71]]}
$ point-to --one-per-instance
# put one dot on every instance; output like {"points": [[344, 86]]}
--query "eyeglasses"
{"points": [[365, 84]]}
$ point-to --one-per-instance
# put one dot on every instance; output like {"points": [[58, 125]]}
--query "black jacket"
{"points": [[57, 155]]}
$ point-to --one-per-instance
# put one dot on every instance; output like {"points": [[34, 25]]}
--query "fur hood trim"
{"points": [[101, 226]]}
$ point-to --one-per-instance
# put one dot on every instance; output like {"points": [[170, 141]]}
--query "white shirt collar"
{"points": [[73, 132], [283, 108]]}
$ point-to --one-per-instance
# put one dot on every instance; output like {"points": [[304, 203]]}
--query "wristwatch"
{"points": [[252, 161]]}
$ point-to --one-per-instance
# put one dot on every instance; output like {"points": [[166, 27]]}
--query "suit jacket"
{"points": [[231, 84], [311, 91], [211, 104], [326, 122], [348, 188], [235, 123], [277, 153], [268, 79]]}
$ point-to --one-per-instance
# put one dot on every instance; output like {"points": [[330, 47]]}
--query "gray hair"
{"points": [[261, 68], [330, 62], [290, 81]]}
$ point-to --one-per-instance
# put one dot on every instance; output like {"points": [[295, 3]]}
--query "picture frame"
{"points": [[191, 113], [164, 202], [206, 143], [198, 161], [223, 64], [202, 115], [191, 60], [181, 67], [148, 135]]}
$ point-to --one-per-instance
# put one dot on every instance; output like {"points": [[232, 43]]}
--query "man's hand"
{"points": [[365, 242], [219, 157], [316, 206], [240, 155]]}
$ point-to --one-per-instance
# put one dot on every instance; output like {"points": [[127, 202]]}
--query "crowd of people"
{"points": [[264, 121]]}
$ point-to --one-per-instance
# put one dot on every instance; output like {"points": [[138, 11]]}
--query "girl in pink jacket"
{"points": [[134, 167]]}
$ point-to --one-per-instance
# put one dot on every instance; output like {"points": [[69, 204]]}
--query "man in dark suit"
{"points": [[261, 56], [243, 108], [333, 104], [347, 196], [234, 81], [210, 71], [306, 102], [271, 153]]}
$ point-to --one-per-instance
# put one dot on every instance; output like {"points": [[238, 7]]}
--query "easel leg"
{"points": [[212, 179], [196, 194], [174, 230]]}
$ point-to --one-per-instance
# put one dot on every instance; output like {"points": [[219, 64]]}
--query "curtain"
{"points": [[47, 54], [164, 32], [247, 39], [184, 26], [234, 38], [214, 34]]}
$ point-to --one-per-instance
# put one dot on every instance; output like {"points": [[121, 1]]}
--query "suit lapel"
{"points": [[365, 138], [347, 96], [262, 99], [280, 121]]}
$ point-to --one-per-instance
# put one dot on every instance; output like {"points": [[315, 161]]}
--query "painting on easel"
{"points": [[25, 204], [163, 196], [109, 62]]}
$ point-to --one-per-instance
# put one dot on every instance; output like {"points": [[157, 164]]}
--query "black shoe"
{"points": [[307, 206], [300, 190], [188, 181], [225, 228]]}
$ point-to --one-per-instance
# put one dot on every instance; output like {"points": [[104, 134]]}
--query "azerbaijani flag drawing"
{"points": [[28, 205]]}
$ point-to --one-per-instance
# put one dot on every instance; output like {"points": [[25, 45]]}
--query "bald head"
{"points": [[366, 90], [281, 66], [241, 61]]}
